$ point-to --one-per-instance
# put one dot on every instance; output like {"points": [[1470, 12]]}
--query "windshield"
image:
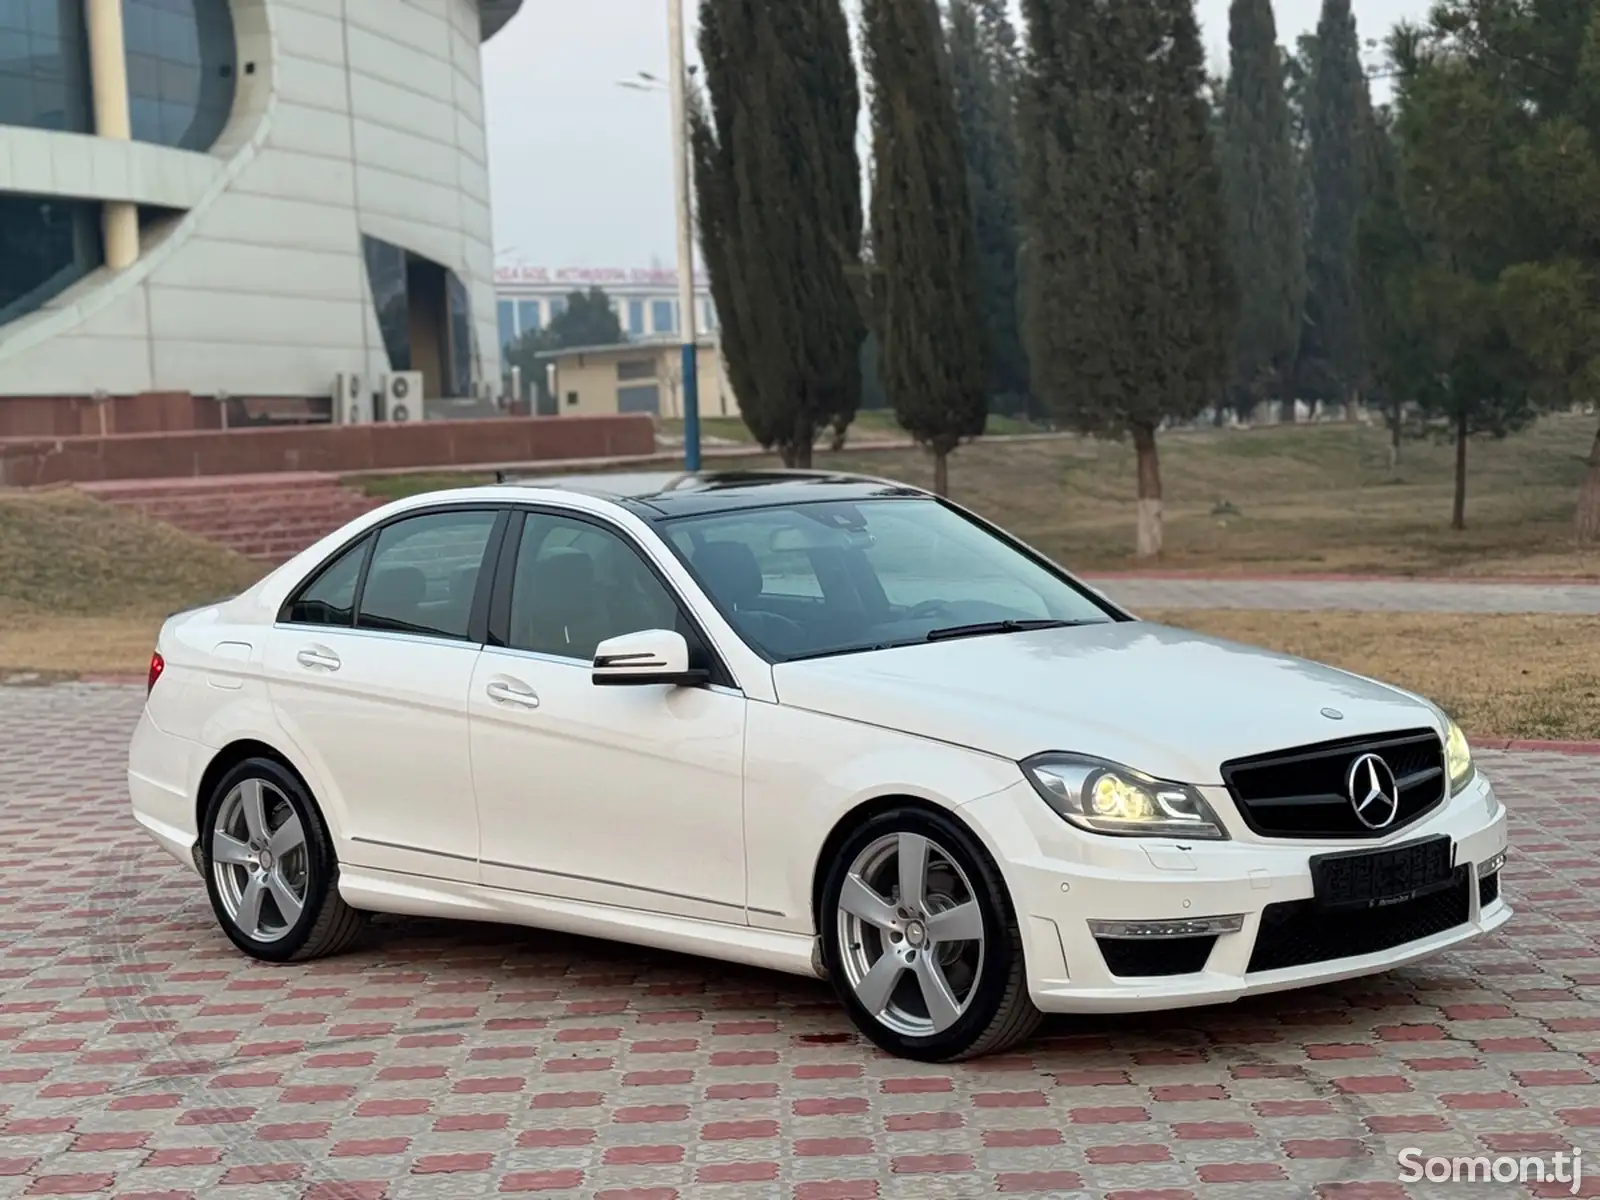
{"points": [[810, 580]]}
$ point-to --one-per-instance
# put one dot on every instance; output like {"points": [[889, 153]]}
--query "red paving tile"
{"points": [[141, 1056]]}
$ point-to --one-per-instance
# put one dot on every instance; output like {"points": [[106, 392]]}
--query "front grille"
{"points": [[1488, 890], [1298, 933], [1149, 958], [1304, 793]]}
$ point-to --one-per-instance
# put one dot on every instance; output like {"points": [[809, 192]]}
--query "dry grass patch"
{"points": [[1501, 676], [72, 646], [869, 424], [84, 586], [1509, 676], [1303, 499], [1293, 499]]}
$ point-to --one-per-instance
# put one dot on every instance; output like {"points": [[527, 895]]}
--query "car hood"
{"points": [[1166, 701]]}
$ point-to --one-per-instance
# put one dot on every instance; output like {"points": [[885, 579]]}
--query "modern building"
{"points": [[636, 377], [239, 201], [645, 299]]}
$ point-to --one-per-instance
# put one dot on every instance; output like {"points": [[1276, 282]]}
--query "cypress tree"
{"points": [[1388, 251], [1338, 117], [925, 281], [1130, 303], [778, 183], [984, 65], [1261, 183]]}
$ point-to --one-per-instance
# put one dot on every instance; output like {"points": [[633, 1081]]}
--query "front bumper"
{"points": [[1061, 879]]}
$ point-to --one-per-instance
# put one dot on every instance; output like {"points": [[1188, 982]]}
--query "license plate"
{"points": [[1380, 878]]}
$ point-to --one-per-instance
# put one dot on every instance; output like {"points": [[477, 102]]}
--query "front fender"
{"points": [[806, 772]]}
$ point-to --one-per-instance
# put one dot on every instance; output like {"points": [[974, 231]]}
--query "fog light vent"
{"points": [[1489, 881], [1134, 958]]}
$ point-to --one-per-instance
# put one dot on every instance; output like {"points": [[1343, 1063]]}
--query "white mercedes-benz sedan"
{"points": [[820, 724]]}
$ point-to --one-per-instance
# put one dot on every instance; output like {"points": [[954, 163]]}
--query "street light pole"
{"points": [[678, 84]]}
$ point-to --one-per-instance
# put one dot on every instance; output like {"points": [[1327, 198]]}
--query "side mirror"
{"points": [[654, 657]]}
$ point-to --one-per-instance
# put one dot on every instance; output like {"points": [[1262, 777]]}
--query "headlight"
{"points": [[1457, 757], [1105, 798]]}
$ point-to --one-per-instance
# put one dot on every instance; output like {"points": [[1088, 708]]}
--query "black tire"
{"points": [[326, 924], [1000, 1012]]}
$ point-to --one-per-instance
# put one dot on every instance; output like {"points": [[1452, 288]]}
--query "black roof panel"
{"points": [[660, 495]]}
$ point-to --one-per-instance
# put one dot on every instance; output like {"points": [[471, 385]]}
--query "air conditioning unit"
{"points": [[352, 400], [402, 396]]}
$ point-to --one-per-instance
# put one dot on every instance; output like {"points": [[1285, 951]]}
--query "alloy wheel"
{"points": [[910, 934], [260, 861]]}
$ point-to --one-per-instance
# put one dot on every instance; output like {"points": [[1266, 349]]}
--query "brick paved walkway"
{"points": [[143, 1057], [1396, 595]]}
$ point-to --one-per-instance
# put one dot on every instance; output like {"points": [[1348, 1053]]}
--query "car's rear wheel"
{"points": [[270, 868], [921, 941]]}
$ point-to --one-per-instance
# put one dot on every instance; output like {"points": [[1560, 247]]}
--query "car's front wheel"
{"points": [[921, 941], [270, 868]]}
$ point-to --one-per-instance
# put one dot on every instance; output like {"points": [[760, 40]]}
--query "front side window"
{"points": [[424, 574], [330, 598], [577, 584], [809, 580]]}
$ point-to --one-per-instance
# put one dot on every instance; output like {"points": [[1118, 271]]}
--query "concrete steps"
{"points": [[269, 518]]}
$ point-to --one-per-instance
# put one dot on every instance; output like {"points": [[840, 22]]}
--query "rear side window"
{"points": [[330, 598], [424, 574]]}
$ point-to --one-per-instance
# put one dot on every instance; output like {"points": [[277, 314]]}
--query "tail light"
{"points": [[157, 665]]}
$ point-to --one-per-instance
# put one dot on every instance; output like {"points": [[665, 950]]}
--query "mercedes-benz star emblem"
{"points": [[1374, 792]]}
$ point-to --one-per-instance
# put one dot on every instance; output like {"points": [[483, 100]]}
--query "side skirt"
{"points": [[374, 890]]}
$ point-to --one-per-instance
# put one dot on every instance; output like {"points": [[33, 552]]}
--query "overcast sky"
{"points": [[582, 168]]}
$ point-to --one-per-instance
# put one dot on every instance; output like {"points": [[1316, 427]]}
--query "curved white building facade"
{"points": [[240, 199]]}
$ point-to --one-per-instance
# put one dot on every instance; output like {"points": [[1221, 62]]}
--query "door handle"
{"points": [[319, 660], [509, 693]]}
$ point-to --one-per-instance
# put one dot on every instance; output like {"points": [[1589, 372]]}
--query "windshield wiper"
{"points": [[988, 627], [840, 651], [945, 635]]}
